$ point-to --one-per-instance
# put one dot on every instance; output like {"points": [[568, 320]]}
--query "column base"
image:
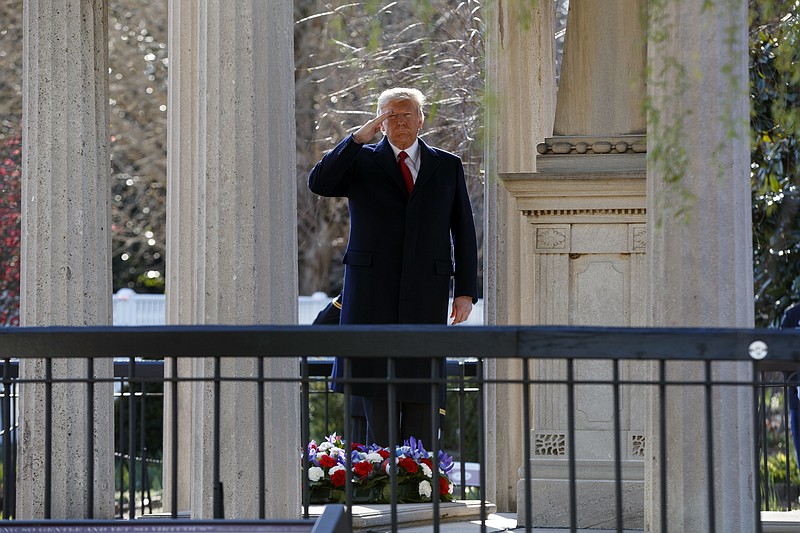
{"points": [[596, 494]]}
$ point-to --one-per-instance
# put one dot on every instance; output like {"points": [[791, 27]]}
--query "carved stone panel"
{"points": [[550, 239]]}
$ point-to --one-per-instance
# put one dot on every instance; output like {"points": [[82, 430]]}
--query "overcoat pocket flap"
{"points": [[354, 257], [444, 268]]}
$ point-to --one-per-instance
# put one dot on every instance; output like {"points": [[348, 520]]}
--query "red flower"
{"points": [[409, 465], [428, 462], [383, 453], [338, 478], [362, 469], [356, 446], [326, 461], [444, 486]]}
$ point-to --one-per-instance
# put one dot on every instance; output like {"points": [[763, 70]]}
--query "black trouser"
{"points": [[413, 419]]}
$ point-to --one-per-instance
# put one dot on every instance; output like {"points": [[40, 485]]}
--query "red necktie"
{"points": [[406, 172]]}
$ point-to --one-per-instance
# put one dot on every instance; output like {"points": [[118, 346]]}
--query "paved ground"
{"points": [[496, 522], [772, 522]]}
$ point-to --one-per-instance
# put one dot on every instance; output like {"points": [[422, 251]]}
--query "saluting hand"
{"points": [[366, 132]]}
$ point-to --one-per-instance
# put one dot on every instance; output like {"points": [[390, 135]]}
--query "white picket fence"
{"points": [[132, 309]]}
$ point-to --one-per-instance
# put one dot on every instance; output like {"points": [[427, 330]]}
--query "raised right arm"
{"points": [[329, 176]]}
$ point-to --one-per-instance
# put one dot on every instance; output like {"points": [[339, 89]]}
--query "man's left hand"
{"points": [[462, 307]]}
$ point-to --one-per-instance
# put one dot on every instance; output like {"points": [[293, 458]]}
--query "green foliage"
{"points": [[153, 419], [776, 468], [320, 427], [775, 125]]}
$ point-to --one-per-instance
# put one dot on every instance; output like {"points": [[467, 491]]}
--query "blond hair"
{"points": [[401, 93]]}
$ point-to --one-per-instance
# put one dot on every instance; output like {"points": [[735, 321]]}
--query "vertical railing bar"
{"points": [[758, 379], [305, 431], [13, 467], [325, 399], [174, 442], [7, 423], [712, 518], [393, 436], [482, 443], [526, 429], [348, 436], [131, 439], [763, 395], [142, 446], [90, 437], [146, 481], [219, 504], [461, 452], [662, 440], [121, 438], [617, 445], [787, 440], [262, 431], [573, 498], [48, 438], [435, 406]]}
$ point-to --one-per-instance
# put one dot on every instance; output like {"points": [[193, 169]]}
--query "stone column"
{"points": [[582, 247], [700, 257], [246, 250], [182, 212], [520, 60], [66, 255]]}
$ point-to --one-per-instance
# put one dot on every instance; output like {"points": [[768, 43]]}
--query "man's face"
{"points": [[403, 124]]}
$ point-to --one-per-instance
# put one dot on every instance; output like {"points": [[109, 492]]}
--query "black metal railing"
{"points": [[568, 344]]}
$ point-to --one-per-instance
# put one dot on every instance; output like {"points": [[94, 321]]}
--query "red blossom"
{"points": [[409, 465], [362, 469], [326, 461], [444, 486], [427, 461], [338, 478], [383, 453]]}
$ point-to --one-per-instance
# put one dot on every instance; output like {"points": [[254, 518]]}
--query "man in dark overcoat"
{"points": [[411, 232]]}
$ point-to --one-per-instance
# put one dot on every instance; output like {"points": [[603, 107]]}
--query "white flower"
{"points": [[335, 451], [374, 457], [449, 488], [335, 469], [425, 488], [325, 446], [426, 470], [315, 473]]}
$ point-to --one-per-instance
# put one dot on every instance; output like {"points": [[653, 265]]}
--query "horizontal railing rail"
{"points": [[399, 341], [765, 349]]}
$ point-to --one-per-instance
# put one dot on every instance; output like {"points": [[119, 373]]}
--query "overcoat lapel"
{"points": [[384, 157], [428, 163]]}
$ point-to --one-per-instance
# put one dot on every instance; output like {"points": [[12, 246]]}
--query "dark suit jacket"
{"points": [[403, 250]]}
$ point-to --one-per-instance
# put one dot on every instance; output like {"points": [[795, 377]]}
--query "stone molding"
{"points": [[584, 212], [623, 144]]}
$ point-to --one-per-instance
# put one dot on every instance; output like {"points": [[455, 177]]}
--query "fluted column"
{"points": [[246, 268], [700, 257], [520, 60], [66, 255], [182, 257]]}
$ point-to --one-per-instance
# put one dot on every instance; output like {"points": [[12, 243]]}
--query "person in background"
{"points": [[411, 233], [329, 316], [791, 319]]}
